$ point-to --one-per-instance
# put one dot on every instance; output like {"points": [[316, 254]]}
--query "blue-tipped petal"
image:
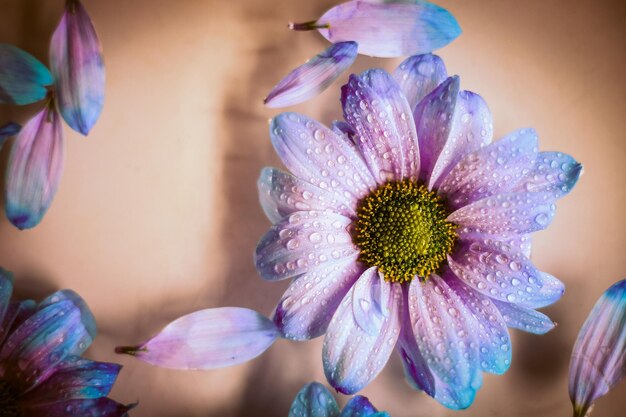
{"points": [[22, 77], [598, 360], [554, 172], [99, 407], [387, 30], [34, 169], [523, 318], [78, 67], [360, 406], [6, 289], [8, 130], [313, 77], [314, 400], [419, 75], [89, 321]]}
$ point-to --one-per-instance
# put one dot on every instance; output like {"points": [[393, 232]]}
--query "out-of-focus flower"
{"points": [[208, 339], [314, 76], [406, 227], [34, 169], [23, 79], [41, 371], [8, 130], [314, 400], [78, 68], [390, 28], [599, 357]]}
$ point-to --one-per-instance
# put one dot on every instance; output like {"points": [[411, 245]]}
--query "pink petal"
{"points": [[34, 170], [313, 77], [208, 339], [78, 68]]}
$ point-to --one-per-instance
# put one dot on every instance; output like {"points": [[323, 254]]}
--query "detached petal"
{"points": [[78, 67], [22, 77], [8, 130], [388, 30], [599, 357], [34, 169], [418, 75], [314, 400], [313, 77], [208, 339]]}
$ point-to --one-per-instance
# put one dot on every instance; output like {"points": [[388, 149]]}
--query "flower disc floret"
{"points": [[402, 229]]}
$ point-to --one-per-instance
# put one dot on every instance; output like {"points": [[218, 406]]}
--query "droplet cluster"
{"points": [[8, 400], [401, 228]]}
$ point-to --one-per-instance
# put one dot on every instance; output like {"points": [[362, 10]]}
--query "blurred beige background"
{"points": [[157, 213]]}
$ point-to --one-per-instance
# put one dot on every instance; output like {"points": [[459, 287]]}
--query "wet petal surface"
{"points": [[23, 78]]}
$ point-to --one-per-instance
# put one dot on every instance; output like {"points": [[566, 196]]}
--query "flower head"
{"points": [[405, 227], [314, 400], [41, 370]]}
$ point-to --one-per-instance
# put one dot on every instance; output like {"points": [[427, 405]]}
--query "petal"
{"points": [[314, 400], [8, 130], [317, 155], [494, 169], [384, 129], [308, 305], [441, 325], [554, 172], [22, 77], [388, 30], [78, 67], [472, 129], [523, 318], [41, 342], [505, 214], [598, 360], [34, 169], [6, 290], [343, 129], [75, 378], [551, 291], [101, 407], [496, 271], [313, 77], [208, 339], [360, 406], [352, 356], [17, 312], [301, 242], [282, 194], [491, 330], [418, 75]]}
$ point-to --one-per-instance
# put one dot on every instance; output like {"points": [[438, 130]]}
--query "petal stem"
{"points": [[310, 25]]}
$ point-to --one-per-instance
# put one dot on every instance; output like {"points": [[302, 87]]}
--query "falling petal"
{"points": [[78, 67], [22, 77], [599, 356], [34, 169], [314, 400], [8, 130], [387, 30], [313, 77], [208, 339]]}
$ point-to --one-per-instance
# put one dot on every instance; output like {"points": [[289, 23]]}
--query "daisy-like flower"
{"points": [[405, 227], [41, 371]]}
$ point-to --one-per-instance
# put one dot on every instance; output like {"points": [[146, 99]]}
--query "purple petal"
{"points": [[34, 169], [6, 290], [22, 77], [491, 330], [16, 314], [551, 291], [598, 360], [100, 407], [302, 242], [343, 129], [308, 305], [553, 172], [505, 214], [388, 30], [41, 342], [496, 271], [523, 318], [317, 155], [78, 67], [352, 356], [313, 77], [384, 130], [75, 378], [208, 339], [418, 75], [439, 319], [360, 406], [282, 194], [314, 400], [494, 169], [8, 130]]}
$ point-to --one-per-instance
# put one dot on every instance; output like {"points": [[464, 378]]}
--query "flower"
{"points": [[314, 400], [41, 371], [599, 356], [404, 226]]}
